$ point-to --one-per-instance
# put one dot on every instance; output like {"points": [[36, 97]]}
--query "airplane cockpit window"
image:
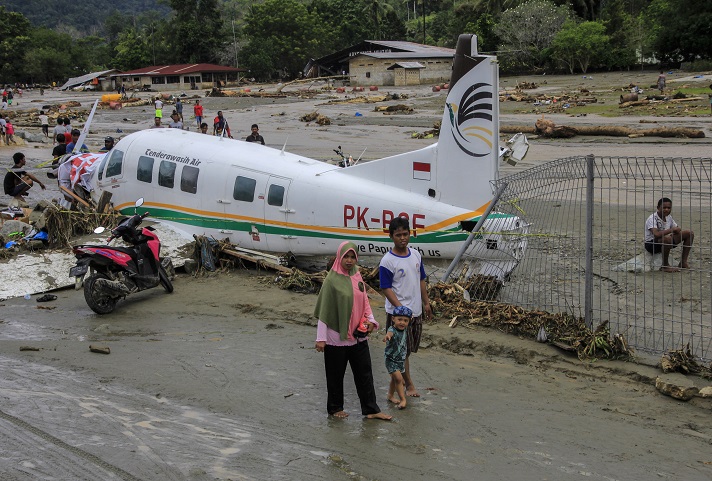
{"points": [[144, 172], [189, 179], [244, 189], [115, 162], [275, 196], [166, 174]]}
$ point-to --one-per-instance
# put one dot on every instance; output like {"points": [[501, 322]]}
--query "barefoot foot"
{"points": [[669, 269], [381, 416], [412, 392], [340, 414], [402, 404], [393, 400], [684, 265]]}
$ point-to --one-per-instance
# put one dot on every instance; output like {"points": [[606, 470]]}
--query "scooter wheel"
{"points": [[98, 301], [165, 281]]}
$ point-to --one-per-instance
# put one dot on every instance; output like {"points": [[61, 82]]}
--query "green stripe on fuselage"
{"points": [[454, 234]]}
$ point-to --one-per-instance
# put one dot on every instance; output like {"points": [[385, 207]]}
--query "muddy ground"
{"points": [[219, 380]]}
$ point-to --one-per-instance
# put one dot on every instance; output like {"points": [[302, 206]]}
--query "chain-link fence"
{"points": [[598, 206]]}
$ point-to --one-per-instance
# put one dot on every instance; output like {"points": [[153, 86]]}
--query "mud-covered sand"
{"points": [[219, 380]]}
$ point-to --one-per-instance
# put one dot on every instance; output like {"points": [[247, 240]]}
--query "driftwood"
{"points": [[547, 128], [75, 196], [312, 79], [633, 104]]}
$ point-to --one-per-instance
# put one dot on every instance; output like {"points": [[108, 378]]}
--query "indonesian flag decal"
{"points": [[421, 170]]}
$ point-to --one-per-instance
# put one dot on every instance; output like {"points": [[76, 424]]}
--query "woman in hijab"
{"points": [[345, 321]]}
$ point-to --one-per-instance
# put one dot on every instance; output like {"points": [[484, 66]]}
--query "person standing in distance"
{"points": [[255, 135], [198, 112], [402, 278]]}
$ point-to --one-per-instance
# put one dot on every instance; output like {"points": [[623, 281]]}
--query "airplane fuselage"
{"points": [[264, 199]]}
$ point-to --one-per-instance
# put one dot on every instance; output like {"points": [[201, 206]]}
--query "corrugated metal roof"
{"points": [[425, 50], [406, 65], [408, 54], [180, 69], [74, 81]]}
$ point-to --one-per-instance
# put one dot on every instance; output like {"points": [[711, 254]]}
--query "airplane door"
{"points": [[242, 203], [278, 215]]}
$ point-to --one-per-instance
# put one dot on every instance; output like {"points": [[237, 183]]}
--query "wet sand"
{"points": [[220, 379], [225, 384]]}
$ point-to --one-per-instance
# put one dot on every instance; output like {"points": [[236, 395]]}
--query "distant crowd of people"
{"points": [[221, 127]]}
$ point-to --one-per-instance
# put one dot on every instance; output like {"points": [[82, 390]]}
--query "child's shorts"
{"points": [[393, 366]]}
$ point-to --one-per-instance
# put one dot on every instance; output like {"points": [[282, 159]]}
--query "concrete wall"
{"points": [[436, 70]]}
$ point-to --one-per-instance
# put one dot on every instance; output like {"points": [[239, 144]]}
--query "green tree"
{"points": [[625, 30], [343, 21], [376, 11], [196, 31], [680, 29], [14, 36], [132, 51], [45, 65], [526, 32], [580, 44], [290, 32]]}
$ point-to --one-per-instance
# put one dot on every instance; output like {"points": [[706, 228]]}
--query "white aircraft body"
{"points": [[271, 200]]}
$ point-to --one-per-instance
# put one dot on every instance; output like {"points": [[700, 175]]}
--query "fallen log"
{"points": [[633, 104], [548, 129]]}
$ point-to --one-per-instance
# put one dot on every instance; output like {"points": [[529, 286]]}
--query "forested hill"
{"points": [[79, 13]]}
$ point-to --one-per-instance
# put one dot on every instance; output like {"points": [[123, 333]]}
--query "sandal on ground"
{"points": [[47, 297]]}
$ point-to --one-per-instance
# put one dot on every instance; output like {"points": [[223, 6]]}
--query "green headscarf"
{"points": [[336, 297]]}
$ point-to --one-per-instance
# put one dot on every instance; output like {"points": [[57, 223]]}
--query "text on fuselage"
{"points": [[361, 218]]}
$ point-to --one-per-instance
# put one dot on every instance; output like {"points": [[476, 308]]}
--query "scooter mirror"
{"points": [[139, 202], [99, 230]]}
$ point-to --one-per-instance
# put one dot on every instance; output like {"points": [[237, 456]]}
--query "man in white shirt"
{"points": [[662, 234]]}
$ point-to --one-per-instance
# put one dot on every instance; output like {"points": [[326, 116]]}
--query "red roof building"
{"points": [[188, 76]]}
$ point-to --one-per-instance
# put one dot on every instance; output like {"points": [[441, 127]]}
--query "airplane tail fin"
{"points": [[457, 170]]}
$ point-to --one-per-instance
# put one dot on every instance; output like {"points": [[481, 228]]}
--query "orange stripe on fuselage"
{"points": [[336, 230]]}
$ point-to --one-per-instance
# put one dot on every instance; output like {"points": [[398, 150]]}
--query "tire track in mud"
{"points": [[80, 453]]}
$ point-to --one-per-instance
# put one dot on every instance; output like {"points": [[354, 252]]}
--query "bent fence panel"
{"points": [[656, 311]]}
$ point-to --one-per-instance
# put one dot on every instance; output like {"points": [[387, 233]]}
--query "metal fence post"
{"points": [[472, 235], [588, 281]]}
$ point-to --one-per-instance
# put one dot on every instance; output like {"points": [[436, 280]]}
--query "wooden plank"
{"points": [[259, 262], [74, 196], [104, 202]]}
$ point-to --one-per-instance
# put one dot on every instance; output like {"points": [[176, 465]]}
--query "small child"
{"points": [[395, 352]]}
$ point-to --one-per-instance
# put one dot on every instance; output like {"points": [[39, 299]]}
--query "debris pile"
{"points": [[316, 116], [362, 99], [682, 360], [390, 109], [428, 134], [62, 225], [561, 330]]}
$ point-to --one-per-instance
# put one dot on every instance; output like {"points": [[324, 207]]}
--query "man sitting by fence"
{"points": [[662, 234]]}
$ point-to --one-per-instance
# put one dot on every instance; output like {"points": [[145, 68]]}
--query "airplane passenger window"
{"points": [[189, 179], [275, 196], [144, 173], [115, 161], [166, 174], [244, 189]]}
